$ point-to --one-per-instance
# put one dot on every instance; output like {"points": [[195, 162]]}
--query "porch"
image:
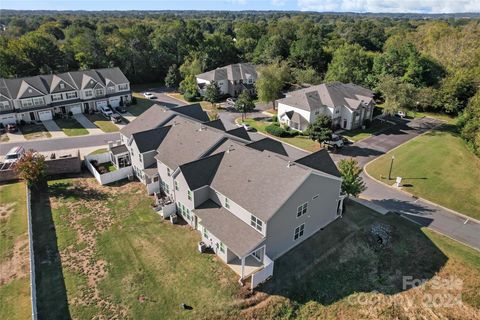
{"points": [[120, 156]]}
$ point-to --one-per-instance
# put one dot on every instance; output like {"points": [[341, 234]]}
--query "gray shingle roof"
{"points": [[233, 232], [193, 111], [320, 161], [238, 71], [240, 132], [150, 140], [119, 149], [216, 124], [201, 172], [153, 117], [329, 95]]}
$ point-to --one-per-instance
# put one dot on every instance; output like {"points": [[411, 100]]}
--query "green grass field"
{"points": [[103, 123], [71, 127], [438, 167], [14, 267], [34, 131], [301, 142], [141, 106]]}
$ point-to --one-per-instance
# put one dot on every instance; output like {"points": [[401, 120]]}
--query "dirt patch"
{"points": [[6, 210], [18, 265]]}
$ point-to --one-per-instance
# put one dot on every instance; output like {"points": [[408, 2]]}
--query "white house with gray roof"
{"points": [[39, 98], [349, 105], [232, 79]]}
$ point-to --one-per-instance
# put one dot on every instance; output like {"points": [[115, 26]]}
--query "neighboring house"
{"points": [[232, 79], [40, 97], [348, 105]]}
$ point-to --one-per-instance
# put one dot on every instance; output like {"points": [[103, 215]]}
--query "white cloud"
{"points": [[278, 3], [423, 6], [242, 2]]}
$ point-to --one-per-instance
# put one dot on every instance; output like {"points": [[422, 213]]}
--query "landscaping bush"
{"points": [[274, 119], [134, 100], [190, 96], [275, 130], [22, 122]]}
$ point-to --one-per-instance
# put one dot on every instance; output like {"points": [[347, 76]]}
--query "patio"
{"points": [[251, 266]]}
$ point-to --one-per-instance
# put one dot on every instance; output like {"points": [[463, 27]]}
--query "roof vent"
{"points": [[230, 148], [289, 164], [202, 128]]}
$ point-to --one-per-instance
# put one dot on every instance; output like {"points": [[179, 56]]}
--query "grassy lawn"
{"points": [[34, 131], [14, 263], [123, 263], [99, 151], [359, 134], [206, 106], [4, 137], [436, 166], [301, 142], [71, 127], [141, 106], [103, 123]]}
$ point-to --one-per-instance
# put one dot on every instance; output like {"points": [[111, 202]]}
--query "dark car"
{"points": [[11, 128], [121, 109], [115, 118]]}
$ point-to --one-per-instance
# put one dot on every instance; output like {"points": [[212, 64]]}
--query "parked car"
{"points": [[11, 127], [247, 127], [336, 142], [231, 102], [401, 114], [14, 154], [105, 110], [121, 109], [115, 118], [149, 95]]}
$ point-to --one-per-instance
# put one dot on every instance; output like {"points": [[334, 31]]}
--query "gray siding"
{"points": [[321, 211]]}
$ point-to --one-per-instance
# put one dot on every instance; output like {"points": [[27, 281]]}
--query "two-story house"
{"points": [[38, 98], [348, 105], [231, 79]]}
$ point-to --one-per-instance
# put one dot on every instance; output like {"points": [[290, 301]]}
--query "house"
{"points": [[39, 98], [349, 106], [232, 79]]}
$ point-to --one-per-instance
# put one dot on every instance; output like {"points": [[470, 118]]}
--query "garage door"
{"points": [[76, 109], [101, 104], [7, 120], [45, 115], [115, 102]]}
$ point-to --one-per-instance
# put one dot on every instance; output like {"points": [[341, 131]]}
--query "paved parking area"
{"points": [[54, 129], [87, 124]]}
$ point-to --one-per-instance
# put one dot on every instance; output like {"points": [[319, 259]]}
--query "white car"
{"points": [[149, 95], [336, 142], [401, 114], [14, 154], [106, 111], [231, 102], [247, 127]]}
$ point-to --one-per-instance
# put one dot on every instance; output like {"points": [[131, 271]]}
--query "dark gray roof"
{"points": [[193, 111], [328, 95], [201, 172], [150, 140], [270, 145], [216, 124], [119, 149], [152, 170], [240, 132], [238, 236], [320, 161], [238, 71], [153, 117]]}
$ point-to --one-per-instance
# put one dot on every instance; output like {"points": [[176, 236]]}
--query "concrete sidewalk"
{"points": [[87, 124], [54, 129], [16, 137]]}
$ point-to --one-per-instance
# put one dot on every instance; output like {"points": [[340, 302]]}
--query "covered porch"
{"points": [[119, 156]]}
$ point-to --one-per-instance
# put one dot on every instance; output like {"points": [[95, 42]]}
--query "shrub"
{"points": [[275, 130], [22, 122], [190, 96], [367, 123], [274, 119], [134, 100]]}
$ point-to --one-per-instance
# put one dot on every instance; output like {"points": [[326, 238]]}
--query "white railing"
{"points": [[108, 177], [264, 274]]}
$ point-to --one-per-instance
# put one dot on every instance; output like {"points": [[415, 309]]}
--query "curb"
{"points": [[408, 193]]}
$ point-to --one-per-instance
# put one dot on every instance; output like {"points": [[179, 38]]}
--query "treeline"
{"points": [[412, 64]]}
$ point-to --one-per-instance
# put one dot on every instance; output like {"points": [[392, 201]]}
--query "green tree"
{"points": [[307, 52], [172, 80], [352, 182], [189, 88], [350, 63], [244, 103], [212, 93], [321, 129], [398, 95], [31, 167], [306, 76], [192, 66], [271, 81], [271, 49]]}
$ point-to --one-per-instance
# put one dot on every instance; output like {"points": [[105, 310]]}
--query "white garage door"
{"points": [[76, 109], [115, 102], [7, 120], [45, 115], [101, 104]]}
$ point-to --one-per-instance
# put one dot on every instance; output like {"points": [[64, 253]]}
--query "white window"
{"points": [[299, 231], [168, 172], [189, 195], [38, 101], [71, 95], [57, 97], [62, 86], [227, 204], [99, 92], [256, 223], [123, 87], [140, 157], [176, 185], [205, 233], [222, 247], [302, 209], [4, 105], [27, 103], [111, 89], [88, 93]]}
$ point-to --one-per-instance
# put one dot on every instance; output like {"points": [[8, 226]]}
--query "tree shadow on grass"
{"points": [[401, 206], [341, 260], [51, 292], [75, 191]]}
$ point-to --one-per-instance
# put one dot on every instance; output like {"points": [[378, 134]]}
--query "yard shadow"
{"points": [[344, 259], [356, 151], [66, 190], [402, 206], [51, 292]]}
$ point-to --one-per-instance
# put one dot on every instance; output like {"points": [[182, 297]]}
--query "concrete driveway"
{"points": [[162, 98], [54, 129], [87, 124]]}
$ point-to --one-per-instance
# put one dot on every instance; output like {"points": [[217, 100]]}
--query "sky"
{"points": [[419, 6]]}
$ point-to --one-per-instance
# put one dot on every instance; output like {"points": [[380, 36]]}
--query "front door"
{"points": [[32, 116], [344, 123], [64, 111]]}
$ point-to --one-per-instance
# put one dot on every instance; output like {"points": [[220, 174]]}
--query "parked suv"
{"points": [[336, 142], [14, 154], [105, 110]]}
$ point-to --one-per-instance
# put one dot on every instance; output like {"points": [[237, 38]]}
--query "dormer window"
{"points": [[29, 90], [62, 86]]}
